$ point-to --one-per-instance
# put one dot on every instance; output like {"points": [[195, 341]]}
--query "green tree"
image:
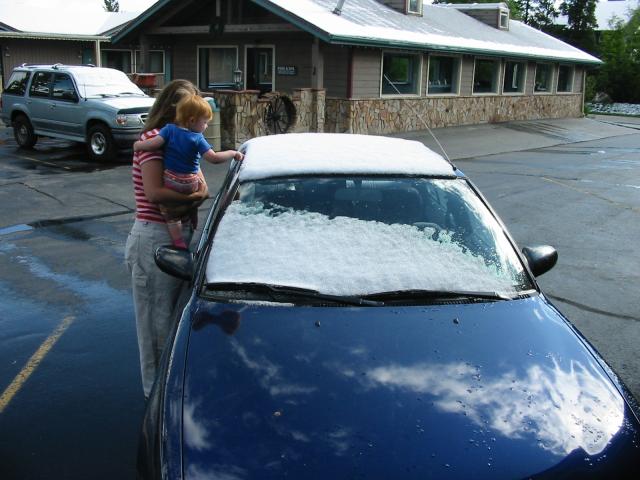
{"points": [[620, 50], [111, 5], [581, 23], [543, 15]]}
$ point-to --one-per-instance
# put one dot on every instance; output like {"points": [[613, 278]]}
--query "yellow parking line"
{"points": [[33, 363]]}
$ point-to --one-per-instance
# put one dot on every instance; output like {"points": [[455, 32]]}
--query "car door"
{"points": [[65, 111], [38, 101]]}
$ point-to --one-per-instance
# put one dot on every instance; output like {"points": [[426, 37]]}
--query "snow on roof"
{"points": [[440, 28], [336, 153], [59, 21]]}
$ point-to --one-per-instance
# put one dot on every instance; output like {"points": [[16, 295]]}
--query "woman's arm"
{"points": [[149, 145]]}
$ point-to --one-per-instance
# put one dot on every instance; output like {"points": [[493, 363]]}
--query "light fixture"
{"points": [[237, 78]]}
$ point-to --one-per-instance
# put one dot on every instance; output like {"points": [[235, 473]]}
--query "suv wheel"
{"points": [[23, 132], [101, 145]]}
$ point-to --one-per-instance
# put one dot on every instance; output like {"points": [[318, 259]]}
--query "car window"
{"points": [[63, 88], [361, 235], [41, 84], [100, 82], [18, 83]]}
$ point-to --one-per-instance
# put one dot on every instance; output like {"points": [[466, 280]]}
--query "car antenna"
{"points": [[424, 122]]}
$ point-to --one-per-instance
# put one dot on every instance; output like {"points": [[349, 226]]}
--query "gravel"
{"points": [[615, 108]]}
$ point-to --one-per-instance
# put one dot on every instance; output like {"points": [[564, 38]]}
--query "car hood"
{"points": [[494, 390], [121, 103]]}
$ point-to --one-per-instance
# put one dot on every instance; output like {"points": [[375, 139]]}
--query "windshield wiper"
{"points": [[436, 295], [276, 292]]}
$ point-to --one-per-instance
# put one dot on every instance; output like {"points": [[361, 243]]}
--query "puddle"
{"points": [[59, 225], [15, 229]]}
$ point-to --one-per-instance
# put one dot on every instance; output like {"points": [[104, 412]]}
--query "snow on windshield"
{"points": [[341, 255], [101, 81]]}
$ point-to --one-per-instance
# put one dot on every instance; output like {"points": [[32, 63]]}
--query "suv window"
{"points": [[40, 84], [18, 83], [63, 88]]}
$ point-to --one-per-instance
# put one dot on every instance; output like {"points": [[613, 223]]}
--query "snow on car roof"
{"points": [[336, 153]]}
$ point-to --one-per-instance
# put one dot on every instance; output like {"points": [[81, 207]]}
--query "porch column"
{"points": [[98, 54], [317, 65], [143, 66]]}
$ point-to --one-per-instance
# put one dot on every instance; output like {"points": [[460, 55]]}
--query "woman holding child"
{"points": [[155, 292]]}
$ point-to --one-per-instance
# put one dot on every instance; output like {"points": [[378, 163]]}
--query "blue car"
{"points": [[356, 309]]}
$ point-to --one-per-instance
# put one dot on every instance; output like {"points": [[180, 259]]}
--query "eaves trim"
{"points": [[136, 22], [54, 36]]}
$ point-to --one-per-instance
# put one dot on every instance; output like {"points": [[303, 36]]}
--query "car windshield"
{"points": [[102, 82], [364, 235]]}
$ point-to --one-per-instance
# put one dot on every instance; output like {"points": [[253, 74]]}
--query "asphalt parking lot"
{"points": [[71, 402]]}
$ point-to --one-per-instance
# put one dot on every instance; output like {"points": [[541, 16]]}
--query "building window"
{"points": [[156, 62], [504, 20], [444, 73], [414, 6], [544, 72], [485, 76], [216, 66], [565, 78], [514, 77], [118, 59], [400, 74]]}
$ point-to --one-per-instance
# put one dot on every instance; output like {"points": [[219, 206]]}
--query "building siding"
{"points": [[16, 51], [336, 70], [366, 73]]}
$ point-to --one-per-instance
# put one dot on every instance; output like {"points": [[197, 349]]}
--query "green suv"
{"points": [[97, 106]]}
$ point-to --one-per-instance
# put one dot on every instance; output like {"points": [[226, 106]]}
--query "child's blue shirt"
{"points": [[182, 148]]}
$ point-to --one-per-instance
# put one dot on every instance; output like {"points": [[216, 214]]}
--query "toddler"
{"points": [[184, 144]]}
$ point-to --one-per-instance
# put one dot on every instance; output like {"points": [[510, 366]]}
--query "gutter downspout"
{"points": [[584, 88]]}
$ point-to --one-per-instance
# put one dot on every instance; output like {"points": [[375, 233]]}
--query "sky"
{"points": [[81, 5]]}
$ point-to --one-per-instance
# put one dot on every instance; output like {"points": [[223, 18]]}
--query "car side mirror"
{"points": [[174, 261], [541, 258]]}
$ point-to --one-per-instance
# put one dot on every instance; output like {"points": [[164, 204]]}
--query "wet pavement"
{"points": [[72, 401]]}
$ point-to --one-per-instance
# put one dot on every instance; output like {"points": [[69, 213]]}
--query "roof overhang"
{"points": [[140, 19], [360, 41], [385, 43], [54, 36]]}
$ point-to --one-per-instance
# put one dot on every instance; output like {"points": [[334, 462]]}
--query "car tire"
{"points": [[23, 132], [100, 143]]}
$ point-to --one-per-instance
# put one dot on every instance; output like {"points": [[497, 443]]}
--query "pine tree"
{"points": [[621, 55], [543, 14], [111, 5], [582, 23]]}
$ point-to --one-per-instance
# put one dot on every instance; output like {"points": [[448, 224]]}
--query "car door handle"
{"points": [[52, 106]]}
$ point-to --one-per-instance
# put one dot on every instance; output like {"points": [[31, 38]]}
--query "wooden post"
{"points": [[317, 65]]}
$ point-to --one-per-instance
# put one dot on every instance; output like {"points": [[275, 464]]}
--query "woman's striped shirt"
{"points": [[145, 210]]}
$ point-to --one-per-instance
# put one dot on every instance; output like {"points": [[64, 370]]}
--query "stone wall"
{"points": [[390, 115], [242, 113]]}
